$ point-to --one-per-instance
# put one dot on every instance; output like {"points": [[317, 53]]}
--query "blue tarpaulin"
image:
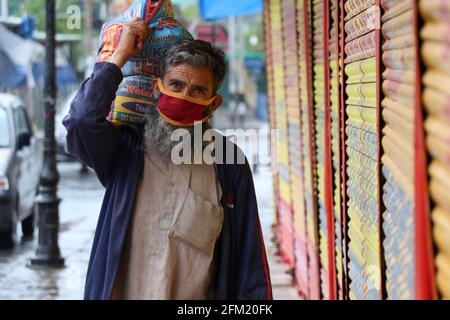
{"points": [[220, 9], [14, 76], [11, 75], [22, 62]]}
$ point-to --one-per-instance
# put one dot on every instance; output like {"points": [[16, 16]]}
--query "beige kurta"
{"points": [[170, 243]]}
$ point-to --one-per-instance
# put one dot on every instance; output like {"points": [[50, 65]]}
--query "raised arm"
{"points": [[90, 137]]}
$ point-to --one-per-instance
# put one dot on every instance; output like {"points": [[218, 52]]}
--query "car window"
{"points": [[4, 128], [20, 121], [25, 120]]}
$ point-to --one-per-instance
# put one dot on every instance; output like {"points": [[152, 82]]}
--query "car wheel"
{"points": [[28, 226], [8, 234], [7, 237]]}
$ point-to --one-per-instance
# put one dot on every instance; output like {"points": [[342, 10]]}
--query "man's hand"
{"points": [[130, 43]]}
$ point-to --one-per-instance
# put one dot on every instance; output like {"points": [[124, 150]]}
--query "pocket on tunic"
{"points": [[198, 223]]}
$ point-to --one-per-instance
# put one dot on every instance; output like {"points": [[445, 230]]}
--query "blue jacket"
{"points": [[116, 155]]}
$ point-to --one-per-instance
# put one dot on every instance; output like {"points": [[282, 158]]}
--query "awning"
{"points": [[220, 9], [22, 62]]}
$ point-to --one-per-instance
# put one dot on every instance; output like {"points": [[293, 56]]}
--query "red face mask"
{"points": [[182, 111]]}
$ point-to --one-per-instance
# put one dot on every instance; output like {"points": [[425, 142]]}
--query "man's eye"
{"points": [[175, 86]]}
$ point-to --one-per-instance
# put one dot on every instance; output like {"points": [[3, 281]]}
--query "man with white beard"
{"points": [[167, 230]]}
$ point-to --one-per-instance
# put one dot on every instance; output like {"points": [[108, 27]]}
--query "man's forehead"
{"points": [[189, 74]]}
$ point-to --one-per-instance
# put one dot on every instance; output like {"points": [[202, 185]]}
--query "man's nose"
{"points": [[186, 91]]}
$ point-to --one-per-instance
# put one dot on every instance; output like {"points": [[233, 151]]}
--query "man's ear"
{"points": [[156, 92]]}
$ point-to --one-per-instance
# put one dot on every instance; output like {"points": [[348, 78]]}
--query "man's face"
{"points": [[183, 79], [191, 81]]}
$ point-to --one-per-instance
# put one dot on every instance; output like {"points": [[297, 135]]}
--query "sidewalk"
{"points": [[282, 286], [282, 282]]}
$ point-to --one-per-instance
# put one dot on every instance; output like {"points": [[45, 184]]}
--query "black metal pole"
{"points": [[47, 253]]}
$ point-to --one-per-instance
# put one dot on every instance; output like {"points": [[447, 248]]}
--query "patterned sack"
{"points": [[135, 94]]}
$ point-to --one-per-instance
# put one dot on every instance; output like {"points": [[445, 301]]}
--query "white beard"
{"points": [[158, 136]]}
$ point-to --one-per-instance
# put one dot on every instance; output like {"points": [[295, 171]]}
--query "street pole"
{"points": [[47, 253]]}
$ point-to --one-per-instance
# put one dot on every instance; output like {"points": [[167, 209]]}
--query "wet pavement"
{"points": [[81, 196]]}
